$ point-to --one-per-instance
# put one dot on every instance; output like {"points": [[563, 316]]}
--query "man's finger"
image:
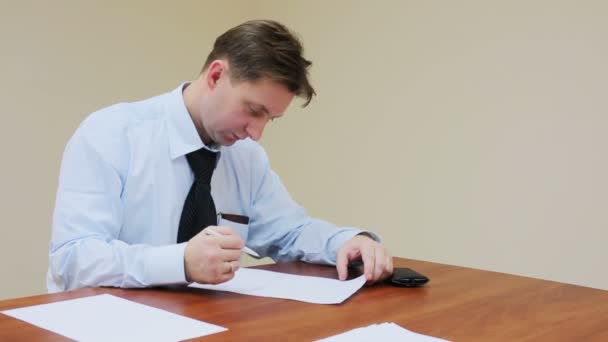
{"points": [[229, 267], [369, 262], [226, 236], [377, 264], [341, 264], [389, 266], [224, 230], [221, 278], [230, 255], [384, 265], [235, 265], [231, 242]]}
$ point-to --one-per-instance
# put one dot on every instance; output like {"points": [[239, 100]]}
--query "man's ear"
{"points": [[217, 69]]}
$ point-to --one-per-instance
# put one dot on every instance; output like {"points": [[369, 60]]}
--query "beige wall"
{"points": [[466, 133]]}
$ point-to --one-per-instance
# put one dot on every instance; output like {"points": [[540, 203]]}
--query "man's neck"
{"points": [[192, 98]]}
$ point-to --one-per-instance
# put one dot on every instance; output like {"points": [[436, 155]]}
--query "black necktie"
{"points": [[199, 209]]}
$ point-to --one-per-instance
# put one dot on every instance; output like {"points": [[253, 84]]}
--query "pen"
{"points": [[245, 249]]}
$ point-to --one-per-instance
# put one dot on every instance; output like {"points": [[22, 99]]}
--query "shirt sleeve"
{"points": [[282, 229], [85, 249]]}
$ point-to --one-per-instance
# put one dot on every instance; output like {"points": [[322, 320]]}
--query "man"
{"points": [[143, 184]]}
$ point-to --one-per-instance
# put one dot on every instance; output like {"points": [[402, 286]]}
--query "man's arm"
{"points": [[282, 229], [85, 248]]}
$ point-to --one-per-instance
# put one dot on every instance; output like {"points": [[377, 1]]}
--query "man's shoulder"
{"points": [[247, 156], [246, 147], [111, 128], [127, 113]]}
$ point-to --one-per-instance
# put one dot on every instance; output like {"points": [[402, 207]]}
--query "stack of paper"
{"points": [[380, 332]]}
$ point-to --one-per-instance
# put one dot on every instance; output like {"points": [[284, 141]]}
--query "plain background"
{"points": [[470, 133]]}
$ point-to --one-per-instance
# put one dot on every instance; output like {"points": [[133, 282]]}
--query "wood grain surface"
{"points": [[458, 304]]}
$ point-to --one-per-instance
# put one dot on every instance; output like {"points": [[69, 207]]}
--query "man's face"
{"points": [[235, 111]]}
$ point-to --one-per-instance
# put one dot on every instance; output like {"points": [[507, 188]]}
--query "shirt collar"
{"points": [[182, 134]]}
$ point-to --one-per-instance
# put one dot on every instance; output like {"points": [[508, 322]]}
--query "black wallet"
{"points": [[403, 276]]}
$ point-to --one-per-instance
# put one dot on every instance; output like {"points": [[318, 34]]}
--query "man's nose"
{"points": [[255, 129]]}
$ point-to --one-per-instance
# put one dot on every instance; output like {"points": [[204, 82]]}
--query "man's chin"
{"points": [[227, 142]]}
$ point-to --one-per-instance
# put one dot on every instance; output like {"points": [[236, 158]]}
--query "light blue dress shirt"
{"points": [[124, 178]]}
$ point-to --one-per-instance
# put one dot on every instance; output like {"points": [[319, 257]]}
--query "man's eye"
{"points": [[254, 112]]}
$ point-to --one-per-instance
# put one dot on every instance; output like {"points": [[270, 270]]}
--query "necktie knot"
{"points": [[202, 162]]}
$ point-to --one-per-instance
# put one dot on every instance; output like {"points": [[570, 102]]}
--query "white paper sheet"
{"points": [[288, 286], [381, 332], [110, 318]]}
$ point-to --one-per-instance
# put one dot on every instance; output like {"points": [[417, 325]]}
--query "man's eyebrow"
{"points": [[258, 107]]}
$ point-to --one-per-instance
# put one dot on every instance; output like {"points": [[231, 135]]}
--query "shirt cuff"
{"points": [[371, 235], [166, 265]]}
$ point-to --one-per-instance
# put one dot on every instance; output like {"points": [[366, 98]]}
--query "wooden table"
{"points": [[459, 304]]}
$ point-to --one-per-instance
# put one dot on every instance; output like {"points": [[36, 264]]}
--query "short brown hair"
{"points": [[264, 48]]}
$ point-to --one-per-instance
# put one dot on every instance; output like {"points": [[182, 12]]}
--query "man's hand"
{"points": [[213, 259], [377, 262]]}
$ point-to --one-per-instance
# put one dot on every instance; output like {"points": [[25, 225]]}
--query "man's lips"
{"points": [[237, 137], [231, 137]]}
